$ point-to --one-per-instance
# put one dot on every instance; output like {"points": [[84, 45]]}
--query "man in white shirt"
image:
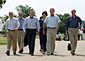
{"points": [[12, 26], [52, 22]]}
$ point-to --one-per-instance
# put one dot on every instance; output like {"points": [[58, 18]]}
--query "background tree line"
{"points": [[25, 10]]}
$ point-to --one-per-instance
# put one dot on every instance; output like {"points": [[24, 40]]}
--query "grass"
{"points": [[3, 40]]}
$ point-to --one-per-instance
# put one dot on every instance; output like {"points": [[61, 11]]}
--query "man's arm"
{"points": [[58, 27], [18, 25]]}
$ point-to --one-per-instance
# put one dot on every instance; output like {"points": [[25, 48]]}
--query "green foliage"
{"points": [[84, 24], [25, 9], [63, 20], [2, 2]]}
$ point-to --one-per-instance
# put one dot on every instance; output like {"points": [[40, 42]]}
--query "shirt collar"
{"points": [[52, 16]]}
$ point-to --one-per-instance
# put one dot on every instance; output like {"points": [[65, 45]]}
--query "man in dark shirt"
{"points": [[72, 24]]}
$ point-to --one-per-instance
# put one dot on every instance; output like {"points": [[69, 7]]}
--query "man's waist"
{"points": [[72, 27], [20, 29], [11, 30], [51, 27], [31, 28]]}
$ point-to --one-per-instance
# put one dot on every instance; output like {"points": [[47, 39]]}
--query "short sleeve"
{"points": [[58, 19]]}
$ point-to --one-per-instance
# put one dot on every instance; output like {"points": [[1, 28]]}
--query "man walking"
{"points": [[20, 33], [52, 22], [12, 26], [31, 24], [72, 24]]}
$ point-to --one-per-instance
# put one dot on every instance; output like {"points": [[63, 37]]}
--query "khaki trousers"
{"points": [[20, 39], [12, 40], [51, 37], [73, 35]]}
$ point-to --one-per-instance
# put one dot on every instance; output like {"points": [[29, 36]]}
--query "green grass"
{"points": [[3, 40]]}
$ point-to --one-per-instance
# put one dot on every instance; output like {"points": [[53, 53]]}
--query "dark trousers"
{"points": [[43, 40], [31, 34]]}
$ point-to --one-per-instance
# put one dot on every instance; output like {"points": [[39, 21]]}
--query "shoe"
{"points": [[73, 53], [41, 51], [48, 54], [29, 53], [14, 53], [32, 54], [21, 51], [52, 54], [7, 53]]}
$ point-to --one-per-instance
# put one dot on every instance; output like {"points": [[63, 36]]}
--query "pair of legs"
{"points": [[12, 40], [31, 34], [51, 37], [20, 40], [73, 35]]}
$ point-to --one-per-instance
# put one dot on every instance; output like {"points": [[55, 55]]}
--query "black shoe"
{"points": [[21, 51], [32, 54], [52, 54], [29, 53], [7, 53], [14, 53], [73, 53]]}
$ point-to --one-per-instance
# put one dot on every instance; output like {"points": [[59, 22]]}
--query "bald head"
{"points": [[52, 10]]}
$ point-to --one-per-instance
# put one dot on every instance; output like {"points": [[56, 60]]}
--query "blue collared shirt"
{"points": [[73, 22], [12, 24], [21, 21], [52, 21], [31, 23]]}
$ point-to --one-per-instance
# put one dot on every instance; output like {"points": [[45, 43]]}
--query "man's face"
{"points": [[11, 15], [20, 15], [31, 13], [51, 11], [73, 12]]}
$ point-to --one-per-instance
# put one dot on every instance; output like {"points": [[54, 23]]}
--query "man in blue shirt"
{"points": [[72, 24], [20, 33]]}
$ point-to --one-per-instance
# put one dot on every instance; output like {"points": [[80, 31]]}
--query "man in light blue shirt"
{"points": [[31, 24], [12, 26], [20, 33], [52, 22]]}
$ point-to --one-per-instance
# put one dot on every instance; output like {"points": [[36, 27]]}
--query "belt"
{"points": [[73, 27], [51, 27], [20, 29], [10, 30], [30, 29]]}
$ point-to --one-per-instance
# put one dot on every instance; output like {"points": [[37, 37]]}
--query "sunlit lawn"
{"points": [[3, 40]]}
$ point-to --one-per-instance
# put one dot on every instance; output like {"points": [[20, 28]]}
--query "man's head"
{"points": [[11, 15], [20, 15], [52, 10], [31, 13], [44, 14], [73, 12]]}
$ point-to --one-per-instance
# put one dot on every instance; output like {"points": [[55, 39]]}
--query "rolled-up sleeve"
{"points": [[58, 19], [81, 23], [38, 25], [24, 25], [6, 28], [66, 25]]}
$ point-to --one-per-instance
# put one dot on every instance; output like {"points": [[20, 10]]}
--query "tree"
{"points": [[2, 2], [25, 9], [63, 20]]}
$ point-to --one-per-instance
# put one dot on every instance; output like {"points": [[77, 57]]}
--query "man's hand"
{"points": [[82, 28], [16, 29], [56, 29], [37, 33], [24, 32], [6, 34], [66, 33]]}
